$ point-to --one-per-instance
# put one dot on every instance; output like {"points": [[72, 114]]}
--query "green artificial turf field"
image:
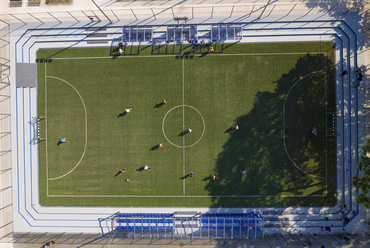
{"points": [[276, 93]]}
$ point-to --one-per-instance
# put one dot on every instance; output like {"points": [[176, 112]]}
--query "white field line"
{"points": [[183, 124], [154, 56], [286, 150], [188, 196], [85, 129], [326, 125], [46, 135], [174, 55], [164, 119]]}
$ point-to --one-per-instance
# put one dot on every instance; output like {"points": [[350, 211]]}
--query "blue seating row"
{"points": [[147, 215], [235, 215], [144, 220], [227, 228], [167, 228], [228, 221]]}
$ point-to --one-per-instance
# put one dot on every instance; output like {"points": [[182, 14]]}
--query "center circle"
{"points": [[179, 130]]}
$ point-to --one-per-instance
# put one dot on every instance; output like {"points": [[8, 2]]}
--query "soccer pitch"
{"points": [[276, 93]]}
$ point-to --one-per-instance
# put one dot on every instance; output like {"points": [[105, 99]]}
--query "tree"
{"points": [[363, 183]]}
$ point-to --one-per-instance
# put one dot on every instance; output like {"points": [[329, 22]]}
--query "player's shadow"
{"points": [[122, 114], [59, 143], [186, 176], [207, 178], [183, 133], [154, 148], [159, 105], [140, 169], [117, 173], [229, 130]]}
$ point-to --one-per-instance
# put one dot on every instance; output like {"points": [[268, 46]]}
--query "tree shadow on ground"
{"points": [[298, 104], [354, 13]]}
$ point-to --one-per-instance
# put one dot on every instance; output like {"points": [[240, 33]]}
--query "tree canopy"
{"points": [[363, 183]]}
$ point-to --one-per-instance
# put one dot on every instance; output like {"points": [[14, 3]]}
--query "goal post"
{"points": [[35, 121]]}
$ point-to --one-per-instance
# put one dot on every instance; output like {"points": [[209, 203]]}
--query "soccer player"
{"points": [[214, 177], [146, 167], [122, 171], [164, 101], [128, 110], [160, 145], [191, 174], [313, 131], [236, 127], [63, 140]]}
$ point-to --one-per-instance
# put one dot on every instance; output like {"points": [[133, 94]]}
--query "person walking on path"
{"points": [[50, 243], [344, 206], [356, 85], [344, 73]]}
